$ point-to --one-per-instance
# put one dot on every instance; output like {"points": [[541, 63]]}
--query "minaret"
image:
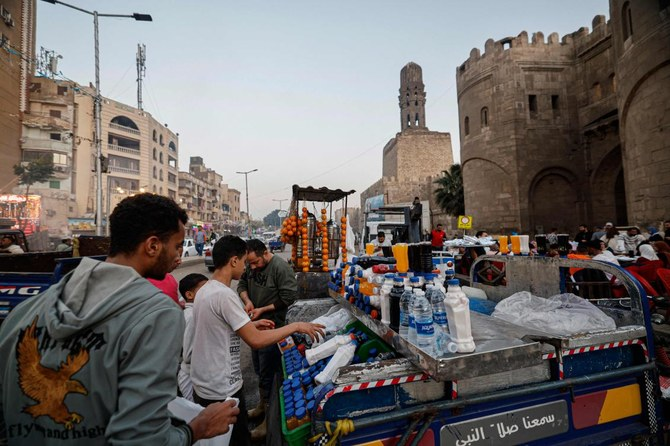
{"points": [[412, 98]]}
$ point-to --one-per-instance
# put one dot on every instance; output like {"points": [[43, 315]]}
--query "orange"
{"points": [[290, 233], [323, 211], [343, 219], [305, 269]]}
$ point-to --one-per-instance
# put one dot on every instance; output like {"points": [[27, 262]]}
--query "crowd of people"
{"points": [[97, 357]]}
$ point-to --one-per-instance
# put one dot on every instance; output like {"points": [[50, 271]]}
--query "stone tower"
{"points": [[412, 98], [558, 132]]}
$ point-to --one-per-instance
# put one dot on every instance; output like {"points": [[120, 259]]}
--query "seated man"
{"points": [[8, 245], [380, 242]]}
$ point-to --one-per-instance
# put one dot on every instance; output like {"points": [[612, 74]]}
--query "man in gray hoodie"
{"points": [[93, 360]]}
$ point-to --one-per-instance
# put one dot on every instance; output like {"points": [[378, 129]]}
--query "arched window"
{"points": [[125, 121], [485, 117], [596, 92], [155, 136], [154, 176], [160, 157], [161, 190], [416, 119], [154, 188], [626, 21], [160, 177], [466, 125], [160, 139], [612, 82], [154, 153]]}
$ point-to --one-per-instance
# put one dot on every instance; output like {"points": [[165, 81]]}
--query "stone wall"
{"points": [[539, 127]]}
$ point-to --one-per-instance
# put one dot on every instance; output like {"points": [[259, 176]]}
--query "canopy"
{"points": [[310, 193]]}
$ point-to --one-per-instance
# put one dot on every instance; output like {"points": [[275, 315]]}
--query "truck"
{"points": [[25, 275], [520, 385]]}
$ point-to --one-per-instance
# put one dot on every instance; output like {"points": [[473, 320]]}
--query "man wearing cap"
{"points": [[380, 242], [597, 235]]}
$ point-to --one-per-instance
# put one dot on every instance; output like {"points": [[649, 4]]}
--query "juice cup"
{"points": [[369, 248], [400, 254], [504, 244], [516, 244]]}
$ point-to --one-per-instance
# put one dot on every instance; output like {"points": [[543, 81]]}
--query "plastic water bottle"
{"points": [[328, 348], [423, 318], [405, 311], [385, 291], [342, 357], [436, 298], [458, 317]]}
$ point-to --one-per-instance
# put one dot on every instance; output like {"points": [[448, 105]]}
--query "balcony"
{"points": [[113, 125], [121, 149], [124, 170], [46, 121], [61, 171], [46, 144]]}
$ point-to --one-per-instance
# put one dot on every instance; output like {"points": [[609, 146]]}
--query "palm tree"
{"points": [[449, 193]]}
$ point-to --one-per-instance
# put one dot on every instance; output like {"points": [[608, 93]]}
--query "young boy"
{"points": [[219, 321], [188, 287]]}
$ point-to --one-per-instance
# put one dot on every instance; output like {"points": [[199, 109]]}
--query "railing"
{"points": [[124, 170], [46, 144], [124, 128], [118, 148]]}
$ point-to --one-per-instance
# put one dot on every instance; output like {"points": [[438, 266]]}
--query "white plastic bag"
{"points": [[335, 320], [187, 410], [562, 315]]}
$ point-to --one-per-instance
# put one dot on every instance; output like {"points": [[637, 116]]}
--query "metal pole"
{"points": [[246, 191], [98, 131]]}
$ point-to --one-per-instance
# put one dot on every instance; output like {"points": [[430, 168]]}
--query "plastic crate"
{"points": [[295, 437]]}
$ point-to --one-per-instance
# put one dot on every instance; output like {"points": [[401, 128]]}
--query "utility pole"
{"points": [[246, 192], [97, 101], [141, 59]]}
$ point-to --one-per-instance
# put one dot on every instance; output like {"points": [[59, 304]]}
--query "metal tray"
{"points": [[504, 351]]}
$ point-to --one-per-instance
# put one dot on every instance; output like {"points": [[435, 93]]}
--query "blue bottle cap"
{"points": [[310, 405], [290, 412], [283, 343], [295, 383], [414, 279], [372, 352], [299, 403], [453, 282], [402, 274], [310, 394], [300, 413], [389, 276]]}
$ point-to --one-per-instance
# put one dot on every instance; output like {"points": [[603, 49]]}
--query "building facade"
{"points": [[558, 132], [416, 157], [17, 51], [140, 154]]}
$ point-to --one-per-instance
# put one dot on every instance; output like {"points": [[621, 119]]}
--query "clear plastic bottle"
{"points": [[423, 318], [405, 310], [415, 283], [342, 357], [458, 317], [328, 348], [386, 288], [436, 298]]}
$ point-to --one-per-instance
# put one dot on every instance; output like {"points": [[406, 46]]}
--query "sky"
{"points": [[304, 91]]}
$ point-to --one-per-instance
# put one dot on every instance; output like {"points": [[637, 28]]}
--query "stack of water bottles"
{"points": [[308, 370]]}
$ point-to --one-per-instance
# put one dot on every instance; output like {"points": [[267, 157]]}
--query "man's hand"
{"points": [[255, 313], [264, 324], [310, 329], [214, 420], [248, 308]]}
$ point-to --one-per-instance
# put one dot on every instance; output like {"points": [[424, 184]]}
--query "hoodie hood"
{"points": [[83, 299]]}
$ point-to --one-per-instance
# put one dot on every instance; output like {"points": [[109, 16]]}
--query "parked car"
{"points": [[189, 248], [209, 261]]}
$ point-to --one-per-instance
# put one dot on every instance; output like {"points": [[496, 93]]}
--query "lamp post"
{"points": [[246, 192], [97, 101]]}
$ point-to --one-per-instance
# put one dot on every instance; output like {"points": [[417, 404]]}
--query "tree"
{"points": [[449, 193], [37, 171], [272, 219]]}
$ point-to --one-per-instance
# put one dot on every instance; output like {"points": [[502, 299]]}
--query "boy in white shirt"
{"points": [[188, 287], [219, 321]]}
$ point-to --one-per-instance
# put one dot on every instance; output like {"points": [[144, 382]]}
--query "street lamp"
{"points": [[97, 101], [246, 192]]}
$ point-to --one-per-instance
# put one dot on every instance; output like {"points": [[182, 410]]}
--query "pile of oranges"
{"points": [[324, 239], [289, 234], [305, 242]]}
